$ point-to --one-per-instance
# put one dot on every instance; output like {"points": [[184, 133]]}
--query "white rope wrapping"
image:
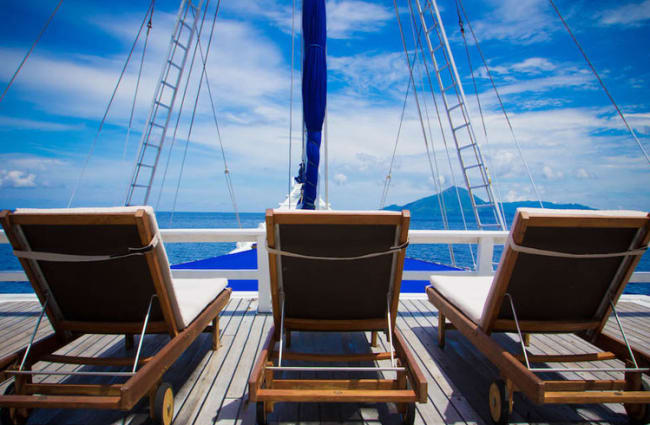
{"points": [[535, 251], [391, 250], [74, 258]]}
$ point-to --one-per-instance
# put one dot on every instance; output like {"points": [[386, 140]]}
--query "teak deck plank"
{"points": [[210, 387]]}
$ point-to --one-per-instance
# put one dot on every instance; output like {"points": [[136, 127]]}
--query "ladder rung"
{"points": [[153, 124], [473, 166], [478, 186], [178, 43], [453, 84], [139, 185], [174, 65], [152, 145], [140, 164], [442, 68], [454, 107], [435, 49], [161, 104], [460, 148], [484, 205], [165, 83], [186, 25], [455, 129]]}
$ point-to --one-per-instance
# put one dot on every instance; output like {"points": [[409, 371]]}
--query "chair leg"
{"points": [[526, 340], [128, 341], [373, 338], [441, 330], [215, 334]]}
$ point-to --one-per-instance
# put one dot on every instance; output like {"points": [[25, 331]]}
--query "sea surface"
{"points": [[463, 255]]}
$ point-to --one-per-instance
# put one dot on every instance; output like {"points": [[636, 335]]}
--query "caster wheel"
{"points": [[638, 414], [260, 413], [163, 407], [409, 416], [499, 403], [11, 415]]}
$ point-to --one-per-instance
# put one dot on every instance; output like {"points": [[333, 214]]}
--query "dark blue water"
{"points": [[184, 252]]}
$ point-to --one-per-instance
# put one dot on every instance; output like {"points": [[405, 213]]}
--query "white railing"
{"points": [[486, 240]]}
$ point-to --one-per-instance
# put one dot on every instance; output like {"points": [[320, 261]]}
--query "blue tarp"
{"points": [[247, 260], [314, 92]]}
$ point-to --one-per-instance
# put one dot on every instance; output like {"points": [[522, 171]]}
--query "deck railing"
{"points": [[486, 240]]}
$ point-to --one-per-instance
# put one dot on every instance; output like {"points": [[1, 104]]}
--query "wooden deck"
{"points": [[211, 388]]}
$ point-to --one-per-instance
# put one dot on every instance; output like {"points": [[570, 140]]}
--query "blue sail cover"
{"points": [[314, 92]]}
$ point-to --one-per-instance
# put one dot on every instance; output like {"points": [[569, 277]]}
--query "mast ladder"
{"points": [[477, 180], [155, 130]]}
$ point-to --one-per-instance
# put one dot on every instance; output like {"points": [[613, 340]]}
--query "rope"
{"points": [[108, 107], [547, 253], [196, 103], [229, 185], [391, 250], [499, 203], [293, 31], [503, 109], [29, 52], [76, 258], [600, 81], [418, 42], [137, 84], [180, 110]]}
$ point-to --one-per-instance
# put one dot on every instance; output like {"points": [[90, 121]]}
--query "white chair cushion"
{"points": [[194, 294], [467, 293]]}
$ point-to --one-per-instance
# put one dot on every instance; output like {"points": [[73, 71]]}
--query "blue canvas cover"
{"points": [[314, 92]]}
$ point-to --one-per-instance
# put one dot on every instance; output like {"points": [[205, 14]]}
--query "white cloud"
{"points": [[581, 173], [551, 174], [534, 65], [518, 21], [345, 18], [16, 179], [626, 14], [340, 179]]}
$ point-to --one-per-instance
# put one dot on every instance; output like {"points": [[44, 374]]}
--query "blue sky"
{"points": [[575, 145]]}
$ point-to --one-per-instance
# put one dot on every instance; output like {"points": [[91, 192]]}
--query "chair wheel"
{"points": [[409, 416], [260, 413], [163, 407], [11, 415], [638, 414], [499, 403]]}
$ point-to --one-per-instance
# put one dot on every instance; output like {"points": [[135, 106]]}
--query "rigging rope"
{"points": [[108, 107], [293, 31], [137, 84], [29, 52], [180, 110], [417, 102], [196, 103], [600, 81], [499, 202], [503, 109]]}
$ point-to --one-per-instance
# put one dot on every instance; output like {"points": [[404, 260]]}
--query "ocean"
{"points": [[186, 252]]}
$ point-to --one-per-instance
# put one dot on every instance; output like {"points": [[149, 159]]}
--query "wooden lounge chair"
{"points": [[562, 271], [103, 271], [311, 291]]}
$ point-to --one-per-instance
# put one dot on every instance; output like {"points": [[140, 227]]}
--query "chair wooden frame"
{"points": [[146, 381], [409, 387], [515, 376]]}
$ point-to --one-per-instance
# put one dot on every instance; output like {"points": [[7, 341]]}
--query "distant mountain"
{"points": [[430, 205]]}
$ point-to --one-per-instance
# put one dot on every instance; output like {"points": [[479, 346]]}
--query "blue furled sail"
{"points": [[314, 92]]}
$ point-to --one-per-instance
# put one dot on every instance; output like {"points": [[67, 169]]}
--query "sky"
{"points": [[571, 140]]}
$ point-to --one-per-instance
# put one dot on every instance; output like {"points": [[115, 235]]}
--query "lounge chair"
{"points": [[103, 271], [562, 271], [336, 272]]}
